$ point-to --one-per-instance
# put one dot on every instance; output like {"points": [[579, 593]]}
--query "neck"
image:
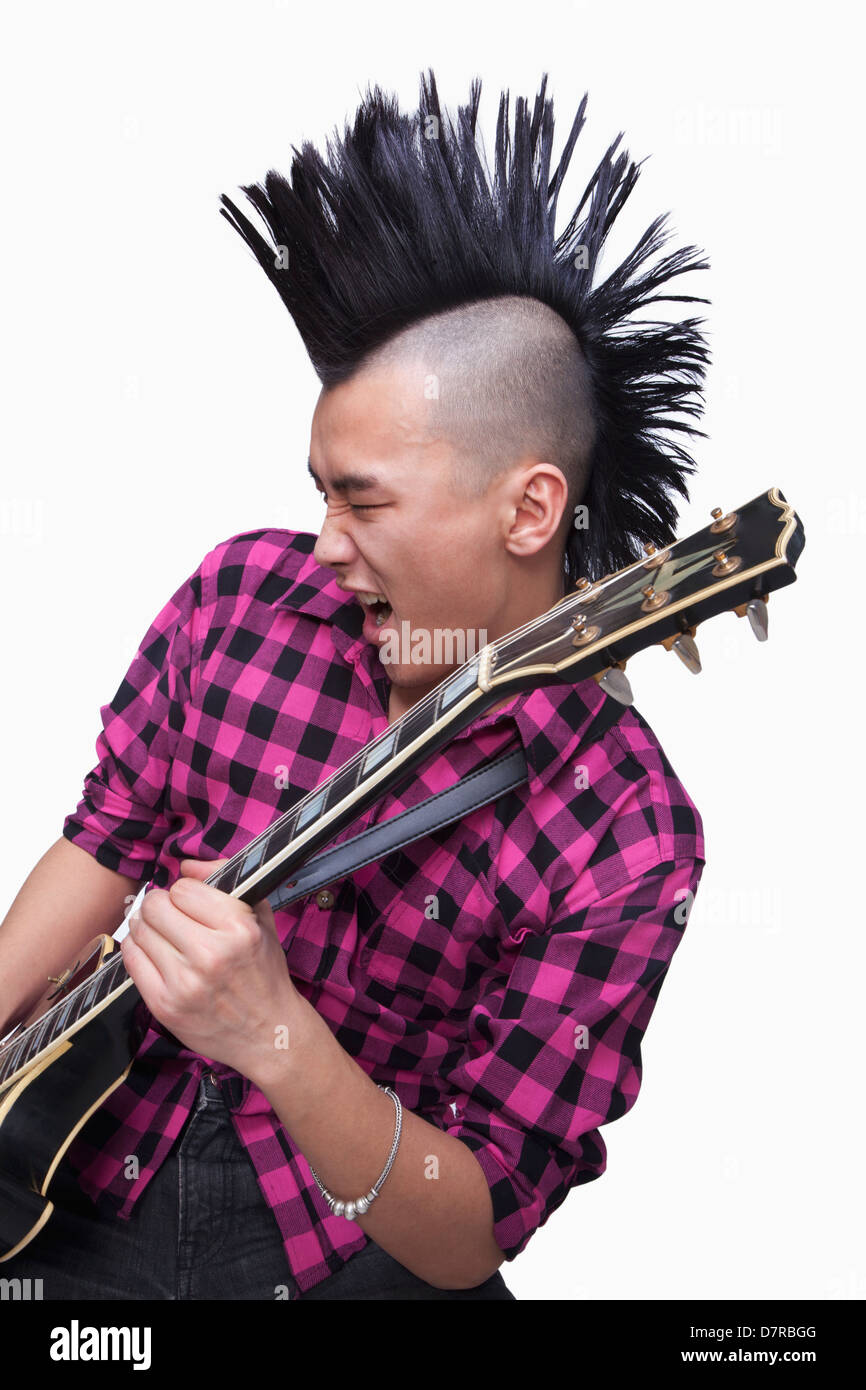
{"points": [[401, 698]]}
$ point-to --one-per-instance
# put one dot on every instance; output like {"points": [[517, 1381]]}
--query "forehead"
{"points": [[382, 398], [374, 431]]}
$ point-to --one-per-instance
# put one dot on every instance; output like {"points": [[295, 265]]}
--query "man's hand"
{"points": [[212, 970]]}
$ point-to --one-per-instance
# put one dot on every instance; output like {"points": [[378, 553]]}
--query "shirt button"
{"points": [[325, 898]]}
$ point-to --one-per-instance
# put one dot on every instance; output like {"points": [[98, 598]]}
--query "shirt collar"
{"points": [[315, 591], [551, 718]]}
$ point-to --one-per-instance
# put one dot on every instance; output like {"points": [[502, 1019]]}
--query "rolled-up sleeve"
{"points": [[553, 1052], [121, 817]]}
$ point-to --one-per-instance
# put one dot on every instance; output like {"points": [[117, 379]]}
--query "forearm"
{"points": [[434, 1213], [67, 899]]}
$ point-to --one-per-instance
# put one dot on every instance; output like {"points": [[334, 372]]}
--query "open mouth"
{"points": [[382, 612], [378, 606]]}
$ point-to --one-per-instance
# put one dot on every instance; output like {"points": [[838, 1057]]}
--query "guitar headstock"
{"points": [[734, 563]]}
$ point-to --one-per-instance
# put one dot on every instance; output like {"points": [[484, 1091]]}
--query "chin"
{"points": [[415, 677]]}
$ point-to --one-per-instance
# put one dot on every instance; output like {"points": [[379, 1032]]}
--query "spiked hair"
{"points": [[403, 221]]}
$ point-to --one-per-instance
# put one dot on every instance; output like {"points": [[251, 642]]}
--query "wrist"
{"points": [[300, 1035]]}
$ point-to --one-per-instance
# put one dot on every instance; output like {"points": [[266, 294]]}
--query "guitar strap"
{"points": [[485, 784]]}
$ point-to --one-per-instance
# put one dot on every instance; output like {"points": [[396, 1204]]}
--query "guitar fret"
{"points": [[378, 752], [61, 1021], [270, 844], [342, 784], [38, 1039], [254, 858], [29, 1045], [12, 1062], [232, 874], [110, 977], [311, 810], [90, 996], [455, 688], [77, 1008], [416, 722], [227, 877]]}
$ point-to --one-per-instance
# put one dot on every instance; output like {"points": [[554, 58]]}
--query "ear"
{"points": [[540, 499]]}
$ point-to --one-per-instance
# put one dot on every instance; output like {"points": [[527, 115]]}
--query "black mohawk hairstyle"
{"points": [[403, 220]]}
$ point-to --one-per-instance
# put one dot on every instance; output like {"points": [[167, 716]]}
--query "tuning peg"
{"points": [[686, 649], [720, 522], [586, 589], [758, 617], [756, 612], [583, 634], [616, 683], [725, 563], [654, 598], [654, 558]]}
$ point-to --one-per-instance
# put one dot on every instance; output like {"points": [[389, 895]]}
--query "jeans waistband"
{"points": [[226, 1089]]}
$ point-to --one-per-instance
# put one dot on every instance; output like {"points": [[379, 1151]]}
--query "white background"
{"points": [[157, 399]]}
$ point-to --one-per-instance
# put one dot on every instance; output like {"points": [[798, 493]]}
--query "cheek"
{"points": [[466, 567], [439, 566], [452, 538]]}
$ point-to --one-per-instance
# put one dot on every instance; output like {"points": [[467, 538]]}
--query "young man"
{"points": [[454, 1023]]}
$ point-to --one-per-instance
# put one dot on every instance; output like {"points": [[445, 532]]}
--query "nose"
{"points": [[334, 546]]}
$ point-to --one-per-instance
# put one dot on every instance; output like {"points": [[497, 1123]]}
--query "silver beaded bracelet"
{"points": [[361, 1204]]}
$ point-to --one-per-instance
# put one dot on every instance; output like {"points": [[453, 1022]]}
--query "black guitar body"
{"points": [[42, 1110]]}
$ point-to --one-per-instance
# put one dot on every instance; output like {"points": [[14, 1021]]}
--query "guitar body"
{"points": [[46, 1103]]}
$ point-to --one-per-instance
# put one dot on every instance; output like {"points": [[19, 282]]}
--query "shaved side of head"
{"points": [[505, 378]]}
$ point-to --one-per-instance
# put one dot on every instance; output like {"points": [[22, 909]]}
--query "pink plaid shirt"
{"points": [[510, 1014]]}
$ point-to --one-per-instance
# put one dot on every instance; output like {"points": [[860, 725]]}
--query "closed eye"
{"points": [[353, 506], [357, 506]]}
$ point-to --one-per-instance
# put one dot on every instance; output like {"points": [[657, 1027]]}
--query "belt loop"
{"points": [[234, 1087], [207, 1082]]}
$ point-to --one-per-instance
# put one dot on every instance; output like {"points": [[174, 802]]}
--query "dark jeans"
{"points": [[200, 1230]]}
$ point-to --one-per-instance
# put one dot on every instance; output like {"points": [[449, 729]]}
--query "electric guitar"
{"points": [[60, 1062]]}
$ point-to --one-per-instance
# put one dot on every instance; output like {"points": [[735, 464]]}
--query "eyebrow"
{"points": [[347, 482]]}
